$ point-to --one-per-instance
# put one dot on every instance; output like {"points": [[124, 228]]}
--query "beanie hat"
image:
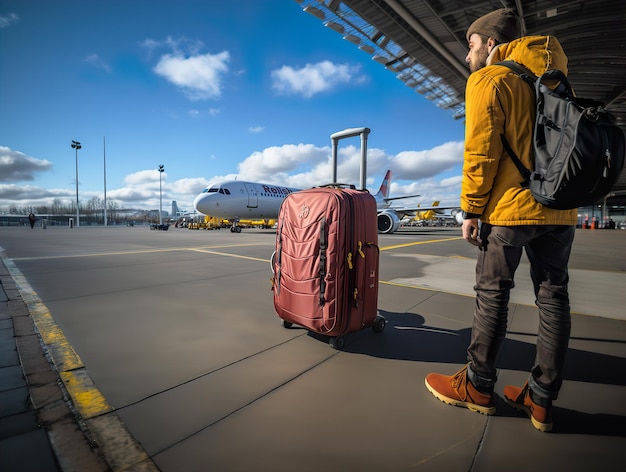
{"points": [[502, 25]]}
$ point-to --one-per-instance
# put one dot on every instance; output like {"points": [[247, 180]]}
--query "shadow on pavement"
{"points": [[406, 337]]}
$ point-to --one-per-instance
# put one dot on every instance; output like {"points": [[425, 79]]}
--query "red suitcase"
{"points": [[326, 261]]}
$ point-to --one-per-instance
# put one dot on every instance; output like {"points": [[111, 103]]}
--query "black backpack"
{"points": [[578, 150]]}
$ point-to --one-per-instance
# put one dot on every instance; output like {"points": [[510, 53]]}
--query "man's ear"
{"points": [[491, 43]]}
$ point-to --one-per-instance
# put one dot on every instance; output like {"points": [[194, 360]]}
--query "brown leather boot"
{"points": [[520, 399], [457, 390]]}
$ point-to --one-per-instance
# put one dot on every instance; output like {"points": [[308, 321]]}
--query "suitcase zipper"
{"points": [[350, 279], [322, 272], [278, 259]]}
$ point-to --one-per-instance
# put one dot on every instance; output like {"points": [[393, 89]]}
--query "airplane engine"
{"points": [[459, 218], [388, 222]]}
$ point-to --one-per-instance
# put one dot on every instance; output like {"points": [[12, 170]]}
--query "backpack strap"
{"points": [[521, 167], [530, 79], [520, 70]]}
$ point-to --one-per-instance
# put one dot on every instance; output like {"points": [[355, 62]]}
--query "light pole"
{"points": [[76, 145], [104, 151], [161, 169]]}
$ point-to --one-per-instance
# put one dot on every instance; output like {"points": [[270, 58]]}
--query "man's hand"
{"points": [[470, 231]]}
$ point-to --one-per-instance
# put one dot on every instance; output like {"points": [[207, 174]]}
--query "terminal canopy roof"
{"points": [[423, 42]]}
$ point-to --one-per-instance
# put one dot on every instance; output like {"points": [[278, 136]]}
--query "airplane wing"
{"points": [[388, 199], [412, 211], [390, 219]]}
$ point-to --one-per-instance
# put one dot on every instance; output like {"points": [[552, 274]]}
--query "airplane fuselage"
{"points": [[237, 199]]}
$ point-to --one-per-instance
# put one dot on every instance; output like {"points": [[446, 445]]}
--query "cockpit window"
{"points": [[223, 191]]}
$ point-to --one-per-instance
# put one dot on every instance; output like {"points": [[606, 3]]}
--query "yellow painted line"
{"points": [[207, 249], [385, 248], [415, 243], [395, 284], [238, 256], [90, 403], [419, 287], [87, 398], [85, 395], [135, 251], [94, 254], [63, 354]]}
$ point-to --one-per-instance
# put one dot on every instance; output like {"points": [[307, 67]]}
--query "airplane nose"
{"points": [[200, 201]]}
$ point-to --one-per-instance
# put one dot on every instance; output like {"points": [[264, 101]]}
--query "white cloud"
{"points": [[16, 166], [273, 164], [144, 177], [150, 44], [30, 193], [142, 190], [305, 165], [200, 76], [189, 187], [134, 197], [413, 172], [415, 165], [256, 129], [312, 78], [452, 182], [177, 45], [8, 20], [97, 62]]}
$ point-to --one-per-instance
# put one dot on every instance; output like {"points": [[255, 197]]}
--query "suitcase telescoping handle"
{"points": [[349, 133], [338, 185]]}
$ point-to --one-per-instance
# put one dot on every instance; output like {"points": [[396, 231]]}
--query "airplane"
{"points": [[236, 199], [422, 215], [428, 214]]}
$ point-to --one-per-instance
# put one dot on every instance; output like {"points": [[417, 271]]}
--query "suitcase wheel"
{"points": [[337, 343], [286, 324], [379, 324]]}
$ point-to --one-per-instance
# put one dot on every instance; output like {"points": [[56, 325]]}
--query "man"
{"points": [[499, 103]]}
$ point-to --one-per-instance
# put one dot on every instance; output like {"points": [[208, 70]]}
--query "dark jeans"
{"points": [[548, 250]]}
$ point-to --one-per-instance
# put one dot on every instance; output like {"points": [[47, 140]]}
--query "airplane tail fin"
{"points": [[383, 191], [382, 196]]}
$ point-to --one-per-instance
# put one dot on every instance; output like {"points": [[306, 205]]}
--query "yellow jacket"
{"points": [[498, 102]]}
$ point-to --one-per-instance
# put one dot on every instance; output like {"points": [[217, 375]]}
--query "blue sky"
{"points": [[211, 90]]}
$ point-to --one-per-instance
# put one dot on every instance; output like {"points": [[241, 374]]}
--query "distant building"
{"points": [[175, 210]]}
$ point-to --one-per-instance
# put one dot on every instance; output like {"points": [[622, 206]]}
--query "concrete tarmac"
{"points": [[131, 349]]}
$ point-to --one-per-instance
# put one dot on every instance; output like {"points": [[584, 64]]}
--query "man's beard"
{"points": [[480, 59]]}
